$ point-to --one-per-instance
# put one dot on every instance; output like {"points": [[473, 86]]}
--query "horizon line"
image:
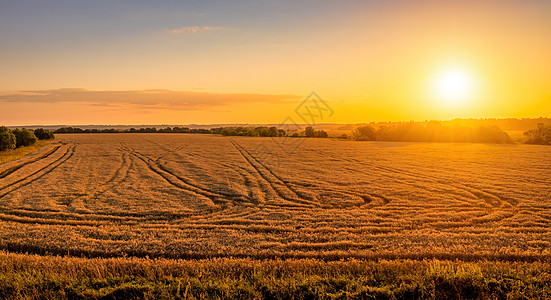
{"points": [[301, 124]]}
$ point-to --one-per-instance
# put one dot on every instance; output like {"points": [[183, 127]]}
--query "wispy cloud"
{"points": [[160, 99], [194, 29]]}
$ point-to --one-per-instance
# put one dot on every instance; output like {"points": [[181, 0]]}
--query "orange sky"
{"points": [[186, 62]]}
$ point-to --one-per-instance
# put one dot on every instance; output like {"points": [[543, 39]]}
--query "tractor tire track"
{"points": [[247, 175], [176, 182], [271, 172], [10, 170], [48, 168], [463, 190], [280, 188], [120, 174], [241, 207], [491, 198], [161, 166], [499, 211], [250, 195], [64, 218]]}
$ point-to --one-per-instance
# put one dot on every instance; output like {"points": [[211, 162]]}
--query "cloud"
{"points": [[160, 99], [194, 29]]}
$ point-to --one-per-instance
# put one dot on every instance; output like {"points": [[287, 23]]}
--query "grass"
{"points": [[39, 277], [15, 154]]}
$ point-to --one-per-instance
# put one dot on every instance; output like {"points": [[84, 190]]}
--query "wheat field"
{"points": [[204, 196]]}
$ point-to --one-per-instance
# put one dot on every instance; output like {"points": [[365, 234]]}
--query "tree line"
{"points": [[259, 131], [11, 139], [432, 132]]}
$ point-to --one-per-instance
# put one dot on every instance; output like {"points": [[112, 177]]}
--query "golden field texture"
{"points": [[204, 196], [49, 277], [14, 154]]}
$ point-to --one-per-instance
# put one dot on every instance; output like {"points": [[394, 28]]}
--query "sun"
{"points": [[453, 86]]}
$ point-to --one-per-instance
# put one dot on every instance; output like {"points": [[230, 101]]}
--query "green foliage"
{"points": [[320, 134], [260, 131], [15, 154], [7, 139], [432, 132], [263, 131], [311, 133], [43, 134], [539, 136], [491, 134], [24, 137], [364, 133]]}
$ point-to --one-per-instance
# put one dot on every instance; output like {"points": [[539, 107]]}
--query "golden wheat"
{"points": [[194, 196]]}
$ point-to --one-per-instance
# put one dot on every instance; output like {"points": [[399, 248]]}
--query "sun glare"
{"points": [[453, 86]]}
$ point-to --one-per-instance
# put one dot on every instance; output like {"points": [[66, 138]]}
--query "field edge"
{"points": [[7, 156], [31, 276]]}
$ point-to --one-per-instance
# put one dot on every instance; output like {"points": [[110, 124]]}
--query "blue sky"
{"points": [[371, 59]]}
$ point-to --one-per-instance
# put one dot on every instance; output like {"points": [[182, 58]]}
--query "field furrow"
{"points": [[200, 196]]}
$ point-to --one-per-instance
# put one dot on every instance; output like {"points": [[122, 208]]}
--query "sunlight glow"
{"points": [[453, 86]]}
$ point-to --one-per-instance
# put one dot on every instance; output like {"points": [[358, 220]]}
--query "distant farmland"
{"points": [[201, 196]]}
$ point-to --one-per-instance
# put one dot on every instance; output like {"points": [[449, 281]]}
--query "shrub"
{"points": [[43, 134], [540, 135], [68, 130], [321, 134], [7, 139], [364, 133], [432, 132], [311, 133], [492, 134], [24, 137]]}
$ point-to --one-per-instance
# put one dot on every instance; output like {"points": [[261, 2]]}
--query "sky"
{"points": [[255, 61]]}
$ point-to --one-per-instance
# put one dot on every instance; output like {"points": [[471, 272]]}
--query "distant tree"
{"points": [[228, 131], [540, 136], [7, 139], [492, 134], [43, 134], [216, 130], [200, 130], [320, 134], [364, 133], [180, 129], [68, 130], [261, 131], [272, 131], [309, 132], [432, 132], [24, 137], [165, 130]]}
